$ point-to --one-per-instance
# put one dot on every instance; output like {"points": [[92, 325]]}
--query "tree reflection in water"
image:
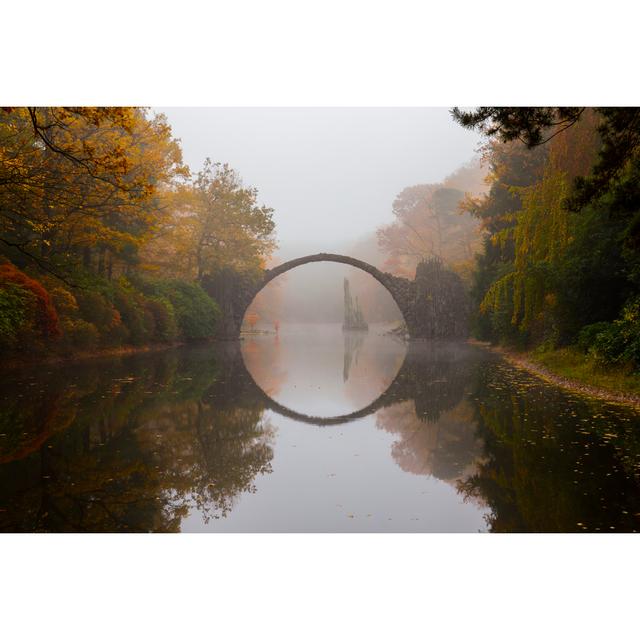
{"points": [[554, 462], [540, 459], [135, 444], [129, 445], [432, 416]]}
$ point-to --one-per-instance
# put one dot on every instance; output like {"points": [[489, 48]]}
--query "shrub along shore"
{"points": [[44, 318]]}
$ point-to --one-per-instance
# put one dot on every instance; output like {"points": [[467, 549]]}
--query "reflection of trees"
{"points": [[220, 444], [543, 471], [447, 449], [135, 444], [434, 376], [130, 445], [538, 458], [264, 358], [429, 413]]}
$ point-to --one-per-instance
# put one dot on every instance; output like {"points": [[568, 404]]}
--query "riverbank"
{"points": [[29, 360], [577, 373]]}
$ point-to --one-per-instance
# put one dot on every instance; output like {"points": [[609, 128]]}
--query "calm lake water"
{"points": [[311, 430]]}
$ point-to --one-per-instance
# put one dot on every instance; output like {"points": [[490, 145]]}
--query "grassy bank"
{"points": [[578, 372], [574, 365]]}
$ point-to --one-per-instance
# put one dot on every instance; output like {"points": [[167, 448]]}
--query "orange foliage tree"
{"points": [[46, 316]]}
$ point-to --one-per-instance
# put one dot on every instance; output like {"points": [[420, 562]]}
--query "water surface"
{"points": [[311, 430]]}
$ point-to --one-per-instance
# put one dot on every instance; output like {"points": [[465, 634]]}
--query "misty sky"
{"points": [[331, 174]]}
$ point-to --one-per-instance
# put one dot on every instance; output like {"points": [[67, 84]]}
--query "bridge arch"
{"points": [[401, 289]]}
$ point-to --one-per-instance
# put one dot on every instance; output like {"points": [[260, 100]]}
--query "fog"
{"points": [[331, 175]]}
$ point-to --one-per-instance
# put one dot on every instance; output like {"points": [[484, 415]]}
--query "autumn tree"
{"points": [[82, 184], [429, 223], [216, 224], [100, 200], [618, 129], [548, 270]]}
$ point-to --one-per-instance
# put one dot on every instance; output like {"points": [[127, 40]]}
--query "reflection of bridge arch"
{"points": [[395, 392], [433, 375], [389, 396], [401, 289]]}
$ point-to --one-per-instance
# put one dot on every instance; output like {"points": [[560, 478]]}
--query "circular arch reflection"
{"points": [[389, 395], [433, 375]]}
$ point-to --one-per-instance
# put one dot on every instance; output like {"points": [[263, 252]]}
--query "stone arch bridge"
{"points": [[433, 305]]}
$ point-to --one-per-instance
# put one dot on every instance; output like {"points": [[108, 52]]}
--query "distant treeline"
{"points": [[106, 239]]}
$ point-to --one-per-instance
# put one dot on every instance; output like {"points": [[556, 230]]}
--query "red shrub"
{"points": [[47, 317]]}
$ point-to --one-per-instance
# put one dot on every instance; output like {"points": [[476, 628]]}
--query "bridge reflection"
{"points": [[433, 376]]}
